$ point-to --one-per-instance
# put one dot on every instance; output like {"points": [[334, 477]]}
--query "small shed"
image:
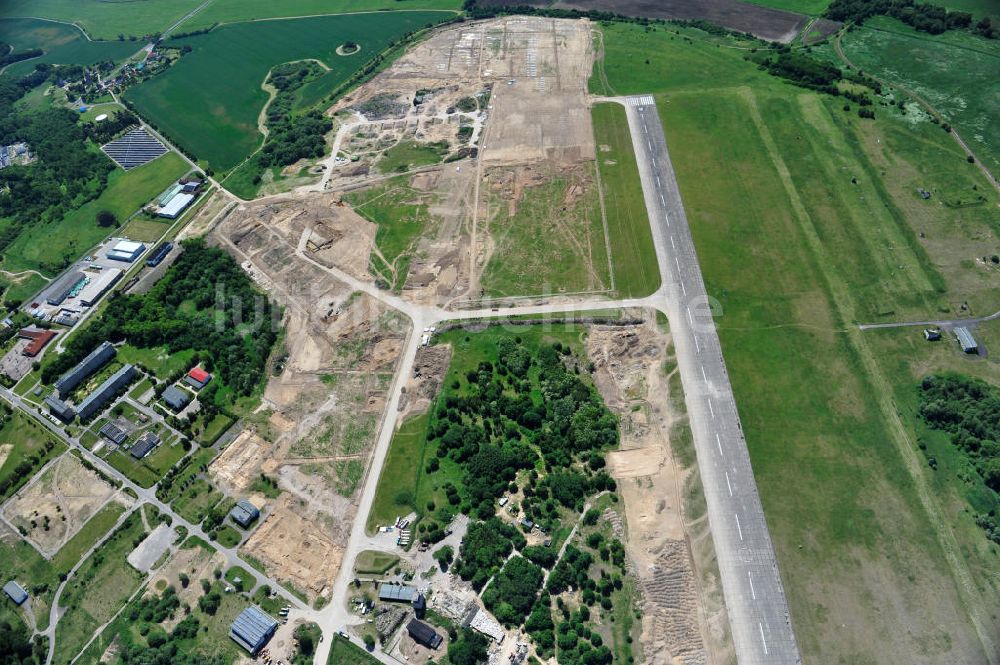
{"points": [[15, 592], [423, 634], [932, 334], [966, 340]]}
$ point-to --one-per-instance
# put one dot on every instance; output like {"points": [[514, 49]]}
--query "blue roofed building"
{"points": [[252, 629], [244, 513], [15, 592]]}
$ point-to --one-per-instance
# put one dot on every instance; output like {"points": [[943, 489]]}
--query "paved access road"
{"points": [[755, 599]]}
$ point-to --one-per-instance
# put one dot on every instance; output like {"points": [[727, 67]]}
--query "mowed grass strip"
{"points": [[343, 652], [226, 11], [637, 272], [49, 247], [210, 100], [105, 20]]}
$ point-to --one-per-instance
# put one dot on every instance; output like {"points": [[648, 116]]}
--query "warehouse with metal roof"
{"points": [[175, 398], [176, 205], [252, 629], [15, 592], [396, 593], [126, 251], [966, 340], [244, 513], [63, 287]]}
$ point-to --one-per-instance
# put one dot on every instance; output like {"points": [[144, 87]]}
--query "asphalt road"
{"points": [[755, 599]]}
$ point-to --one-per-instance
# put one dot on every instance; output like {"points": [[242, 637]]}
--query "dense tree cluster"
{"points": [[484, 549], [470, 648], [969, 409], [10, 56], [293, 136], [204, 302], [102, 132], [67, 173], [513, 590], [925, 17], [16, 647]]}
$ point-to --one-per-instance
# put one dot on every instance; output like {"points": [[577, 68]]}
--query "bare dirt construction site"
{"points": [[521, 220], [683, 616], [327, 394], [55, 506]]}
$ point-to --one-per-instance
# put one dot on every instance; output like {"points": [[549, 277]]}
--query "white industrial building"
{"points": [[126, 251], [176, 205], [99, 285]]}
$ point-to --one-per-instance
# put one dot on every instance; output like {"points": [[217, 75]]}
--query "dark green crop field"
{"points": [[63, 44], [210, 100], [103, 19]]}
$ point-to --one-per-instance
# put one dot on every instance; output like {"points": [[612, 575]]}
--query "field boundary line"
{"points": [[843, 307], [604, 224]]}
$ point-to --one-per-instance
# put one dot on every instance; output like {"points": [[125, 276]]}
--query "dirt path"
{"points": [[924, 103]]}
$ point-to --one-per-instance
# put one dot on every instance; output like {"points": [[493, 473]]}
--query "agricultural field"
{"points": [[779, 228], [210, 100], [105, 20], [810, 7], [63, 44], [228, 11], [26, 447], [923, 64], [78, 231]]}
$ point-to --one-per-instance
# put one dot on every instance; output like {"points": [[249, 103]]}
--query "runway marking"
{"points": [[679, 274], [649, 145], [738, 527], [688, 310], [762, 640], [667, 218], [684, 289], [703, 375], [662, 202], [752, 592], [697, 346], [658, 180], [710, 408], [718, 442], [672, 243], [728, 484]]}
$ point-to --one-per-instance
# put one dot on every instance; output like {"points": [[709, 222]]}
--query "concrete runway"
{"points": [[755, 598]]}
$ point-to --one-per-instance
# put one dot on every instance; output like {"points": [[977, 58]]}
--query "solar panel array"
{"points": [[134, 148]]}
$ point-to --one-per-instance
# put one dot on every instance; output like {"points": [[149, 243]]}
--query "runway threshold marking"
{"points": [[753, 594], [762, 640]]}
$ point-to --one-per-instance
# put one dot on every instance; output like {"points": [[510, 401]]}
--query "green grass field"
{"points": [[105, 20], [633, 256], [371, 562], [194, 502], [966, 95], [209, 101], [63, 44], [95, 529], [343, 652], [811, 7], [554, 241], [47, 247], [146, 230], [97, 591], [409, 155], [26, 440], [795, 252], [223, 11]]}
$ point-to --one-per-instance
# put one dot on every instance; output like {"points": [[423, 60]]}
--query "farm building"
{"points": [[252, 629], [396, 593], [966, 340], [93, 362], [114, 433], [15, 592], [39, 338], [60, 409], [197, 378], [144, 445], [63, 287], [99, 285], [191, 186], [423, 634], [175, 398], [176, 206], [106, 391], [159, 253], [244, 513], [126, 251], [168, 195]]}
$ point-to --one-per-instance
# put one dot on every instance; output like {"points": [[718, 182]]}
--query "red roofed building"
{"points": [[39, 338], [197, 378]]}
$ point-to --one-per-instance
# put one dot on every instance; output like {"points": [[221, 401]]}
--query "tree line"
{"points": [[925, 17]]}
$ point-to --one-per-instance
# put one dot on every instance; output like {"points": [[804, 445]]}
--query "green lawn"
{"points": [[50, 246], [244, 10], [395, 497], [554, 242], [23, 563], [98, 589], [95, 529], [145, 230], [343, 652], [106, 20], [194, 502], [795, 253], [966, 95], [811, 7], [63, 44], [29, 442], [637, 272], [156, 359], [409, 155], [209, 101], [371, 562]]}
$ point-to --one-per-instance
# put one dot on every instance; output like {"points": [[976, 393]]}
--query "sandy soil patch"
{"points": [[57, 504], [429, 368], [240, 463], [294, 545]]}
